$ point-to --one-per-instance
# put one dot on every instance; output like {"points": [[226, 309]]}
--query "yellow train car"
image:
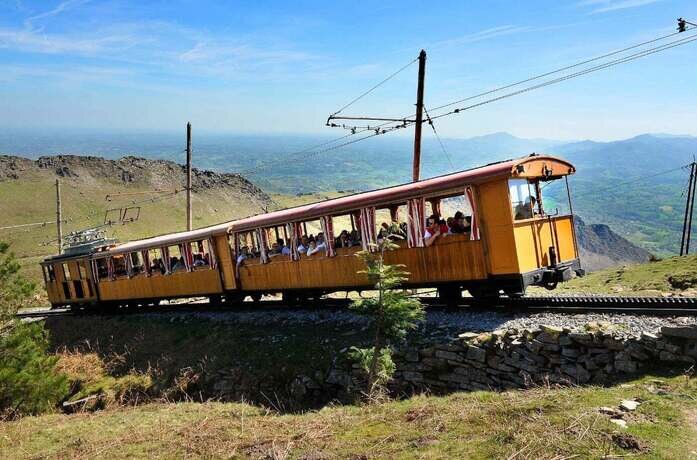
{"points": [[499, 239]]}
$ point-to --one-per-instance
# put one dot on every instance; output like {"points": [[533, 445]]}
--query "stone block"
{"points": [[435, 363], [626, 366], [565, 340], [476, 353], [534, 345], [683, 332], [413, 376], [569, 352], [449, 355]]}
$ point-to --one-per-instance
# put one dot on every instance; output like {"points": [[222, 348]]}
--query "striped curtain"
{"points": [[211, 253], [263, 243], [110, 268], [129, 264], [146, 261], [328, 230], [415, 222], [95, 271], [166, 260], [367, 221], [293, 230], [474, 232], [185, 251]]}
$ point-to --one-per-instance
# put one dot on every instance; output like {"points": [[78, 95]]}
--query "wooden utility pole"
{"points": [[59, 217], [419, 116], [189, 225], [689, 209]]}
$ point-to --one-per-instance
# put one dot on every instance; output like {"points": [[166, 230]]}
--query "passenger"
{"points": [[468, 224], [343, 240], [355, 238], [304, 244], [384, 232], [525, 210], [285, 250], [178, 264], [274, 251], [319, 245], [458, 225], [450, 221], [156, 266], [443, 226], [244, 254], [310, 248], [198, 261], [207, 258], [432, 230]]}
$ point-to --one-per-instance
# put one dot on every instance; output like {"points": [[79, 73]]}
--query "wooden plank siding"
{"points": [[450, 258], [202, 281]]}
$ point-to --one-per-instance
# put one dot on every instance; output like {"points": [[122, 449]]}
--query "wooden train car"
{"points": [[504, 241]]}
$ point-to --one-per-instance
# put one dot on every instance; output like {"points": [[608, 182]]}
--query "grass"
{"points": [[539, 423], [672, 275], [84, 205]]}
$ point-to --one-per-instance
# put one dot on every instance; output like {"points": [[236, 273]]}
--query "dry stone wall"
{"points": [[507, 359]]}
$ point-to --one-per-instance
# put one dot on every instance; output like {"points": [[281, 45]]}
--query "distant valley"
{"points": [[632, 185]]}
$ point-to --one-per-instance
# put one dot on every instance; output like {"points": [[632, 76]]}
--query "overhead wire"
{"points": [[606, 65], [433, 127], [373, 88], [562, 69]]}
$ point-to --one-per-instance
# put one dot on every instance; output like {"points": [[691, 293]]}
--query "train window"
{"points": [[201, 254], [136, 263], [66, 272], [176, 259], [157, 265], [102, 268], [51, 273], [247, 242], [119, 266], [523, 199]]}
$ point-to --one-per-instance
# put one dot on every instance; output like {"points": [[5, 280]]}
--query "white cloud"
{"points": [[482, 35], [603, 6]]}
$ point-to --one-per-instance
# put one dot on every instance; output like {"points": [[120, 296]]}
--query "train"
{"points": [[509, 242]]}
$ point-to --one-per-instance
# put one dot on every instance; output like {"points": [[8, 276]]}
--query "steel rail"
{"points": [[533, 304]]}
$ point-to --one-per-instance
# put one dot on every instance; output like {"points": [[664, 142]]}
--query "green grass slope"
{"points": [[673, 275], [540, 423], [31, 198]]}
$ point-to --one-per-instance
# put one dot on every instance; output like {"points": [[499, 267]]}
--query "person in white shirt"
{"points": [[320, 245], [304, 244]]}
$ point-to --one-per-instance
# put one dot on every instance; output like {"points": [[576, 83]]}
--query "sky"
{"points": [[283, 67]]}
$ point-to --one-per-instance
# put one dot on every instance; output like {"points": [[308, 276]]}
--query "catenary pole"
{"points": [[692, 208], [59, 217], [189, 219], [419, 116]]}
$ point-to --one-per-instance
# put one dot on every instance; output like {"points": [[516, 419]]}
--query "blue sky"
{"points": [[280, 66]]}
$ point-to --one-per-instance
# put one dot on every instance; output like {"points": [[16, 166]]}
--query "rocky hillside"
{"points": [[91, 186], [600, 247], [129, 171]]}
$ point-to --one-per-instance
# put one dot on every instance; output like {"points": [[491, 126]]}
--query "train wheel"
{"points": [[514, 293], [215, 300], [451, 295], [483, 294], [256, 297]]}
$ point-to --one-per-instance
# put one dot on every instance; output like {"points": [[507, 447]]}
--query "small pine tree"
{"points": [[392, 312], [14, 289], [29, 383]]}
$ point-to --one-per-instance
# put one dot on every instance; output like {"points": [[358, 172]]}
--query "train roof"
{"points": [[532, 166]]}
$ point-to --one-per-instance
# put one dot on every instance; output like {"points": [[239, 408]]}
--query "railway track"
{"points": [[569, 304]]}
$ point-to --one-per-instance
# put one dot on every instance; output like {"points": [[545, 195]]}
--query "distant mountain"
{"points": [[632, 185], [600, 247]]}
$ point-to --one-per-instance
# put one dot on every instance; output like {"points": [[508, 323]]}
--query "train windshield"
{"points": [[536, 198]]}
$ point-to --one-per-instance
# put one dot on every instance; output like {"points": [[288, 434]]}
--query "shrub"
{"points": [[29, 382]]}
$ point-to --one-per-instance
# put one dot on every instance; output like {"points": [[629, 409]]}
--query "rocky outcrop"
{"points": [[130, 170], [600, 247]]}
